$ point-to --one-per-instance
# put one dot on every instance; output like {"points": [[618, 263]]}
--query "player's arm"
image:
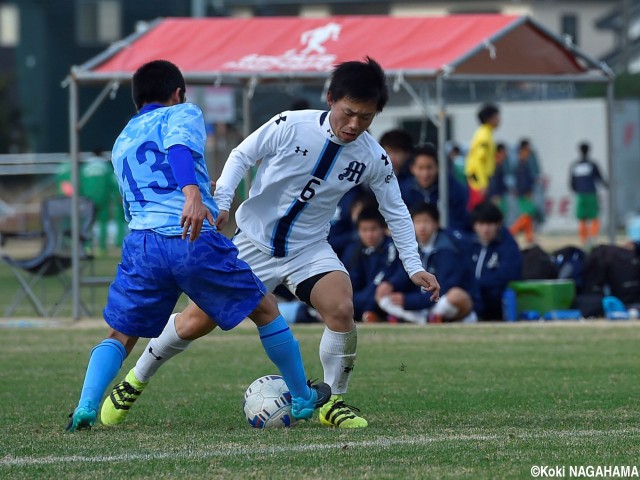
{"points": [[385, 187], [194, 211], [259, 145]]}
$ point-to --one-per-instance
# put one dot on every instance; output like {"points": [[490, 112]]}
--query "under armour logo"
{"points": [[331, 135], [353, 172], [386, 159], [154, 355], [304, 152], [281, 118], [348, 369]]}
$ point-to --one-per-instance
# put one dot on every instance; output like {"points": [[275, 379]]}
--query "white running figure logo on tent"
{"points": [[314, 55], [313, 39]]}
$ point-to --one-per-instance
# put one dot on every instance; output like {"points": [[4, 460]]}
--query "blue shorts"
{"points": [[156, 269]]}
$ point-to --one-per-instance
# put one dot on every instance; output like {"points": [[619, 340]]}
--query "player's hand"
{"points": [[222, 220], [194, 212], [428, 283]]}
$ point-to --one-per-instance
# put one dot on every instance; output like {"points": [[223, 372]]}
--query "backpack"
{"points": [[538, 264], [612, 270], [570, 261]]}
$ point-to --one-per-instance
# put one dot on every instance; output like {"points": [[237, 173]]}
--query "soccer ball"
{"points": [[267, 403]]}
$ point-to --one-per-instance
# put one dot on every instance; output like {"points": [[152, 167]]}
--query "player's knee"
{"points": [[266, 310], [341, 311]]}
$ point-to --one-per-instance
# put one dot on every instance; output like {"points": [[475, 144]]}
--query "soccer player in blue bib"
{"points": [[174, 247], [309, 159]]}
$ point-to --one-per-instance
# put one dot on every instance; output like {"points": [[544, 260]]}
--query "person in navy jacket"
{"points": [[422, 187], [496, 258], [443, 255], [373, 258]]}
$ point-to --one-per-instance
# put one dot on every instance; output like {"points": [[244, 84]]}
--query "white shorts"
{"points": [[291, 271]]}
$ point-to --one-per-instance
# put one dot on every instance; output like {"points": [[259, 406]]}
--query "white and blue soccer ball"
{"points": [[267, 403]]}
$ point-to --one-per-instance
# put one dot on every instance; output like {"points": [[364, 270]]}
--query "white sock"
{"points": [[337, 355], [470, 318], [445, 309], [414, 316], [159, 350]]}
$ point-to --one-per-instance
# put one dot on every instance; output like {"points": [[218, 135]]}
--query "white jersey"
{"points": [[304, 172]]}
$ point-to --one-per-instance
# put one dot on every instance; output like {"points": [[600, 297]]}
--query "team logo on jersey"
{"points": [[386, 160], [388, 178], [281, 118], [303, 152], [353, 172]]}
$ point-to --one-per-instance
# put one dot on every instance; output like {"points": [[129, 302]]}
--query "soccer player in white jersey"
{"points": [[309, 160], [174, 247]]}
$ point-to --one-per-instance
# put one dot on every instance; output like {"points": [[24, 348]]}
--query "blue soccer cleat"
{"points": [[302, 409], [82, 418]]}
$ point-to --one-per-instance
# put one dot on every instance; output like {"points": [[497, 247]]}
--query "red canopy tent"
{"points": [[263, 49]]}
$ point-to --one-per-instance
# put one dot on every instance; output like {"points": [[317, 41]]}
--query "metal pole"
{"points": [[611, 224], [443, 165], [75, 217]]}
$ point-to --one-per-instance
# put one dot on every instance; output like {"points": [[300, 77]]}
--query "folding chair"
{"points": [[55, 257]]}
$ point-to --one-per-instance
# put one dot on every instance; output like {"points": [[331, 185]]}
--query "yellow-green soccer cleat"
{"points": [[116, 406], [336, 413]]}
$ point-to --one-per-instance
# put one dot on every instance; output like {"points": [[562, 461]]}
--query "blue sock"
{"points": [[104, 364], [283, 350]]}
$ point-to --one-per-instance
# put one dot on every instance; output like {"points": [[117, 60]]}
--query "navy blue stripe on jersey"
{"points": [[283, 228], [327, 159], [322, 117], [323, 166]]}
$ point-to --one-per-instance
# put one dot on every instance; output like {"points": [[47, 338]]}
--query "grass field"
{"points": [[477, 401]]}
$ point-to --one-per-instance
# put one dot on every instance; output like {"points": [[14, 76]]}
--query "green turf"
{"points": [[480, 401]]}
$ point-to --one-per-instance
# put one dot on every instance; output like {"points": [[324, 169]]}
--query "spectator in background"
{"points": [[585, 177], [399, 146], [525, 183], [343, 231], [443, 255], [498, 190], [496, 258], [370, 260], [456, 163], [481, 159], [98, 183], [422, 187]]}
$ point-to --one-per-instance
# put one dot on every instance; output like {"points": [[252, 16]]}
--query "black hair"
{"points": [[486, 112], [524, 143], [360, 81], [371, 214], [156, 81], [584, 149], [426, 208], [500, 147], [397, 139], [486, 212], [427, 149]]}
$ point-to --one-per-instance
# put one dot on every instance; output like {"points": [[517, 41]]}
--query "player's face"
{"points": [[349, 118], [370, 232], [486, 232], [425, 170], [424, 226]]}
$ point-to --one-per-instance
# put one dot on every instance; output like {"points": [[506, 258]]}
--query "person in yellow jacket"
{"points": [[481, 159]]}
